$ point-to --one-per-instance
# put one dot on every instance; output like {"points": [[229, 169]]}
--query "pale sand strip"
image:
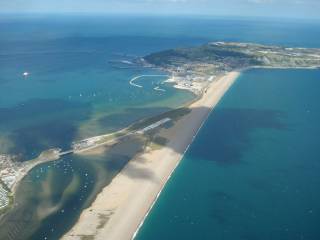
{"points": [[121, 207]]}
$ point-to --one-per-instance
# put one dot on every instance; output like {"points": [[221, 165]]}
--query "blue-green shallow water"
{"points": [[51, 197], [253, 170], [73, 92]]}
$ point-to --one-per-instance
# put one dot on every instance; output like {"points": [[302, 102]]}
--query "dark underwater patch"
{"points": [[229, 132], [59, 122]]}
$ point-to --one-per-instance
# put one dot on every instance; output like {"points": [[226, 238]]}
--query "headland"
{"points": [[208, 71]]}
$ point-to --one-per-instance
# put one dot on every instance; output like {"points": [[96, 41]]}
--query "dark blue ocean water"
{"points": [[253, 170], [73, 91]]}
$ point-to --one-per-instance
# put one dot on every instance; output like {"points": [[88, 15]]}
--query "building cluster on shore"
{"points": [[8, 176], [194, 68], [4, 197], [12, 171], [9, 170], [189, 82], [154, 125], [194, 76], [86, 143], [103, 139]]}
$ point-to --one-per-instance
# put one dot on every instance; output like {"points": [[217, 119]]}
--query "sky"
{"points": [[264, 8]]}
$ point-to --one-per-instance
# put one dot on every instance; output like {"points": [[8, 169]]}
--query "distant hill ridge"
{"points": [[226, 56]]}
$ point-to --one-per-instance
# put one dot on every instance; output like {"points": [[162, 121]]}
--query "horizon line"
{"points": [[144, 14]]}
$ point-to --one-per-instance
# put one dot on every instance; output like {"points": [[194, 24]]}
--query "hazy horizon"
{"points": [[297, 9]]}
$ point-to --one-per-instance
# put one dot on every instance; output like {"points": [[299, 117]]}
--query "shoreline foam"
{"points": [[128, 199]]}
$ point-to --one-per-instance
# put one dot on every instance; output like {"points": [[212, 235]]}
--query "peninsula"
{"points": [[194, 68], [208, 71]]}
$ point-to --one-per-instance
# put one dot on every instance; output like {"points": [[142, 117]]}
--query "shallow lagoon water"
{"points": [[51, 197]]}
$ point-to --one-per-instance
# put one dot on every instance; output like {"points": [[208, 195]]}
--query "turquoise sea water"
{"points": [[74, 91], [253, 170]]}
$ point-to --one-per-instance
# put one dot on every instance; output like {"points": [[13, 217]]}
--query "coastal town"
{"points": [[12, 170], [4, 197], [194, 68], [9, 170]]}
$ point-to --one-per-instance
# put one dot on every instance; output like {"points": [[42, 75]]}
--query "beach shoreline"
{"points": [[40, 160], [121, 208]]}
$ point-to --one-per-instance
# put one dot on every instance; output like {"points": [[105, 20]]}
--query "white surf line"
{"points": [[141, 76]]}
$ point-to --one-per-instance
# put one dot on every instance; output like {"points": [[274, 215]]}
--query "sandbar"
{"points": [[120, 209]]}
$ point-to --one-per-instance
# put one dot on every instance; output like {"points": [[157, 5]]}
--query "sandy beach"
{"points": [[120, 209]]}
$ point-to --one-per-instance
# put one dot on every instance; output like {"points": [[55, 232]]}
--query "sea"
{"points": [[251, 173]]}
